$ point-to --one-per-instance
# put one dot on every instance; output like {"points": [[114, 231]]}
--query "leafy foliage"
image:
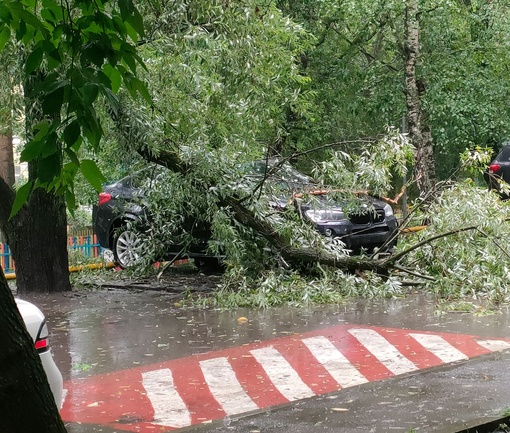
{"points": [[230, 82], [73, 53], [469, 264]]}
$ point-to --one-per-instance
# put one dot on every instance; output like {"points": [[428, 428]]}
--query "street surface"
{"points": [[196, 389], [138, 362]]}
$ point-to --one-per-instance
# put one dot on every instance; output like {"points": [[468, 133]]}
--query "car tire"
{"points": [[209, 264], [127, 247]]}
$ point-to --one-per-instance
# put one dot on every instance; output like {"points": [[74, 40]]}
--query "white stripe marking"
{"points": [[225, 387], [281, 373], [439, 347], [494, 345], [337, 365], [386, 353], [169, 408]]}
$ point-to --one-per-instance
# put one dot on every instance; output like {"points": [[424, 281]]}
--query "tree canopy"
{"points": [[224, 82]]}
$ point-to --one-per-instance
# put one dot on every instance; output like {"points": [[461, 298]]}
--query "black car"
{"points": [[368, 225], [499, 169]]}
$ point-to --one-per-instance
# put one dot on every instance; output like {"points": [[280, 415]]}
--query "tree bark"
{"points": [[419, 130], [25, 395], [37, 235], [7, 159]]}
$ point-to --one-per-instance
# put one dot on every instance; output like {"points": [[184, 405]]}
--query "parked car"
{"points": [[499, 169], [37, 328], [370, 225]]}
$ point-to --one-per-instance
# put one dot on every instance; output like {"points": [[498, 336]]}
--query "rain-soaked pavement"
{"points": [[136, 360]]}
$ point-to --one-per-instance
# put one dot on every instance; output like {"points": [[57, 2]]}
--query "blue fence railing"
{"points": [[86, 245]]}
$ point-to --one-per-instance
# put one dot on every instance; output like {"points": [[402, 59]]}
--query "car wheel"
{"points": [[209, 264], [127, 248]]}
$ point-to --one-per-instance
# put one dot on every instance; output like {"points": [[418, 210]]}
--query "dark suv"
{"points": [[368, 225], [499, 169]]}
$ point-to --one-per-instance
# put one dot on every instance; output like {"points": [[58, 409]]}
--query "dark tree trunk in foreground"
{"points": [[419, 130], [26, 402]]}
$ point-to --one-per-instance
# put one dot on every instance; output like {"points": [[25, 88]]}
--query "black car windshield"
{"points": [[284, 173]]}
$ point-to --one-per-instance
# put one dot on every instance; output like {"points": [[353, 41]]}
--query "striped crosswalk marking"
{"points": [[334, 362], [225, 387], [439, 347], [169, 408], [494, 345], [281, 373], [188, 391], [385, 352]]}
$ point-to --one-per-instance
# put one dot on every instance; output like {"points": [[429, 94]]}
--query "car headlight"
{"points": [[388, 210], [324, 215]]}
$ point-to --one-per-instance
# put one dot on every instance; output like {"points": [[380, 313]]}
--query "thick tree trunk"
{"points": [[25, 395], [37, 235], [38, 239], [419, 131]]}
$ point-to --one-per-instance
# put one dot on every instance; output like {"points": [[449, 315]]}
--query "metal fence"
{"points": [[86, 245]]}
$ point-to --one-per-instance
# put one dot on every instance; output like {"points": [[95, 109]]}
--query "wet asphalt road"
{"points": [[100, 332]]}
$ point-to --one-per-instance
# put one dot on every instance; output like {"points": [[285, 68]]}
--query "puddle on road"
{"points": [[94, 333], [102, 331]]}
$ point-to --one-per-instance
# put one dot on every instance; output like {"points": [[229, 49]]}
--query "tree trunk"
{"points": [[6, 165], [25, 395], [419, 131], [7, 159], [37, 237]]}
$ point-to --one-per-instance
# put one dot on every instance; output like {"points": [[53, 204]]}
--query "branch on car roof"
{"points": [[302, 255]]}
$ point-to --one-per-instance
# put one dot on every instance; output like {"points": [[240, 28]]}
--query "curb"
{"points": [[12, 275]]}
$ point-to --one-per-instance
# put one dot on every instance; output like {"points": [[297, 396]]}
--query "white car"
{"points": [[38, 330]]}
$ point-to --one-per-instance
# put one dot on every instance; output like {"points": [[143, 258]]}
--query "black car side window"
{"points": [[504, 155]]}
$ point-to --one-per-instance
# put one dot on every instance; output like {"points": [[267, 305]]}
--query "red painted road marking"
{"points": [[188, 391]]}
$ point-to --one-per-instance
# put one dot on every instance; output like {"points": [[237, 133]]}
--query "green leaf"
{"points": [[31, 151], [115, 77], [70, 201], [19, 10], [119, 25], [92, 173], [133, 34], [126, 9], [72, 156], [140, 86], [52, 102], [34, 60], [5, 34], [95, 53], [136, 21], [48, 168], [129, 57], [49, 146], [72, 133], [91, 126], [21, 198]]}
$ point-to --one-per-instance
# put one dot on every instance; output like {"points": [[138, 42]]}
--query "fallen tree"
{"points": [[302, 258]]}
